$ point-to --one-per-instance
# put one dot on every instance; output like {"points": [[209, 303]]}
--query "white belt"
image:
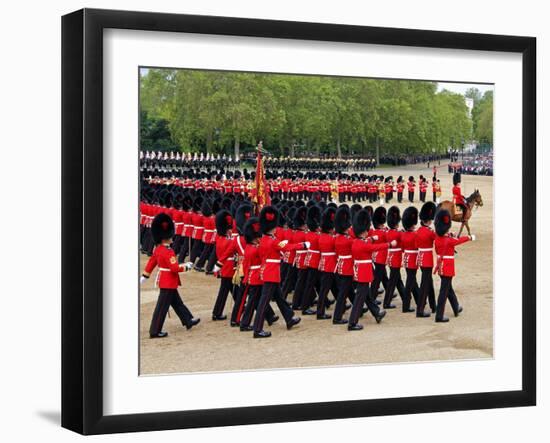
{"points": [[255, 267], [165, 269], [425, 249], [362, 261], [178, 224], [394, 250], [157, 277], [301, 251], [313, 251], [447, 257], [343, 257], [209, 230], [327, 253], [273, 260], [188, 226], [410, 251], [230, 259]]}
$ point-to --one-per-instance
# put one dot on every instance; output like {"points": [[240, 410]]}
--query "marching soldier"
{"points": [[395, 258], [400, 186], [411, 184], [313, 256], [445, 249], [327, 263], [362, 249], [410, 256], [425, 237], [168, 280], [379, 257], [344, 262]]}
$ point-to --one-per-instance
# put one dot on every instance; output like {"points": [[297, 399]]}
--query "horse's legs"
{"points": [[468, 228], [461, 228]]}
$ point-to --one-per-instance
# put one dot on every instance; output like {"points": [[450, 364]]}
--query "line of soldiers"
{"points": [[309, 250], [173, 161], [320, 164], [285, 185]]}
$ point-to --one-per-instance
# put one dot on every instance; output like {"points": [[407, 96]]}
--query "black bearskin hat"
{"points": [[269, 219], [206, 208], [394, 217], [379, 216], [456, 178], [442, 222], [224, 222], [356, 207], [361, 222], [327, 219], [411, 178], [299, 219], [242, 214], [313, 217], [400, 179], [342, 219], [410, 217], [251, 229], [290, 217], [197, 203], [370, 209], [427, 212], [162, 228]]}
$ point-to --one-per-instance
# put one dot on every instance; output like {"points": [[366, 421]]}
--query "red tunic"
{"points": [[445, 250], [313, 256], [425, 237], [410, 250], [209, 235], [251, 265], [362, 251], [300, 258], [457, 195], [198, 228], [187, 219], [342, 246], [380, 256], [165, 258], [328, 253], [270, 252], [395, 254], [226, 252]]}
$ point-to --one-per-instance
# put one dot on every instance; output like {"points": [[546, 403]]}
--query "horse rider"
{"points": [[459, 199]]}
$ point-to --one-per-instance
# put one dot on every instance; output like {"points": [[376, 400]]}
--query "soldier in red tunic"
{"points": [[208, 235], [270, 273], [410, 256], [395, 258], [411, 184], [299, 236], [187, 219], [198, 229], [423, 188], [445, 249], [399, 187], [425, 237], [168, 280], [225, 266], [344, 262], [379, 257], [327, 263], [252, 282], [362, 250], [458, 198], [313, 256]]}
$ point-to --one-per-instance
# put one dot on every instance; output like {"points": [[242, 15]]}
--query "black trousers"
{"points": [[176, 244], [422, 197], [395, 282], [411, 196], [362, 296], [253, 294], [345, 291], [212, 260], [290, 281], [148, 242], [434, 197], [167, 298], [427, 290], [380, 276], [411, 288], [399, 197], [271, 291], [196, 249], [186, 244], [299, 290], [226, 286], [312, 281], [328, 281], [446, 291], [284, 270], [205, 254]]}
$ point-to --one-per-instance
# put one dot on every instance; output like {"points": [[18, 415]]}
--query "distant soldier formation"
{"points": [[320, 164], [307, 253]]}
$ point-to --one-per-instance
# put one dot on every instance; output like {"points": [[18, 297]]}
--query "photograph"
{"points": [[303, 221]]}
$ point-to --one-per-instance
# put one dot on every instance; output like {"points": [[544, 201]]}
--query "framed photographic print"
{"points": [[269, 221]]}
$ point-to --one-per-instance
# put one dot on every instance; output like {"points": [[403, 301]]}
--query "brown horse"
{"points": [[473, 201]]}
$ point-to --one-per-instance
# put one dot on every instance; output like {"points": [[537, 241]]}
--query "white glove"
{"points": [[393, 243], [216, 268], [142, 279], [374, 237], [307, 244], [188, 266], [473, 237]]}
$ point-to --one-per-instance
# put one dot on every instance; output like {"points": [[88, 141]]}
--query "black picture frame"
{"points": [[82, 218]]}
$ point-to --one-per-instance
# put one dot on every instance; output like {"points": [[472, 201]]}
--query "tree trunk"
{"points": [[377, 151], [291, 150], [237, 146], [338, 148]]}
